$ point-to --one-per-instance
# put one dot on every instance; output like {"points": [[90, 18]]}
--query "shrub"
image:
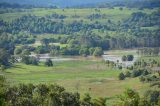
{"points": [[121, 76], [120, 67], [124, 58], [145, 72], [3, 67], [49, 63], [152, 96], [142, 78], [128, 74], [134, 74], [130, 57], [98, 51], [29, 60]]}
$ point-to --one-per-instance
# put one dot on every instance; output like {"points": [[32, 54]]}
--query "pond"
{"points": [[114, 58]]}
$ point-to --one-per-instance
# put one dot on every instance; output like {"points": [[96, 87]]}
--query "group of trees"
{"points": [[127, 58], [14, 5], [150, 78], [132, 98], [143, 20], [36, 25], [146, 63], [54, 95], [29, 60], [133, 73], [42, 94], [149, 51], [132, 28], [6, 50], [141, 4], [144, 70], [96, 16], [56, 16]]}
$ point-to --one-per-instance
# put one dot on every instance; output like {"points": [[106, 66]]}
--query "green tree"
{"points": [[128, 74], [124, 58], [91, 50], [25, 59], [26, 52], [84, 51], [86, 101], [49, 63], [129, 98], [121, 76], [98, 51], [17, 51], [4, 57], [45, 42], [130, 57], [2, 90]]}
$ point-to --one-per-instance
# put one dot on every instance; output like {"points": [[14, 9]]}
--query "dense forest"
{"points": [[129, 33]]}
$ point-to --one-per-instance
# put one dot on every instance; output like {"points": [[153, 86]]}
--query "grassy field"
{"points": [[112, 14], [94, 77], [157, 58], [84, 76]]}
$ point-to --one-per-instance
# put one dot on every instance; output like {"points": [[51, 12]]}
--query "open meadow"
{"points": [[114, 14], [83, 76]]}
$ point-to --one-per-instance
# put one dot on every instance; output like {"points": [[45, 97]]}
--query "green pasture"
{"points": [[148, 58], [94, 77], [113, 14]]}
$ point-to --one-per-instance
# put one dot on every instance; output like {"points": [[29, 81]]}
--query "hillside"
{"points": [[62, 3]]}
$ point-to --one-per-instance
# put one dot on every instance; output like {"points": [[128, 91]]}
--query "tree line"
{"points": [[55, 95]]}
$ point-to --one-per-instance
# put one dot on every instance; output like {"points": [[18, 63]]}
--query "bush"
{"points": [[127, 58], [98, 51], [153, 96], [26, 52], [29, 60], [142, 78], [124, 58], [33, 61], [3, 67], [49, 63], [17, 51], [120, 67], [121, 76], [128, 74], [130, 57], [134, 74], [145, 72]]}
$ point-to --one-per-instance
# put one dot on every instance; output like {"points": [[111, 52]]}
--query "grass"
{"points": [[82, 76], [112, 14], [148, 58]]}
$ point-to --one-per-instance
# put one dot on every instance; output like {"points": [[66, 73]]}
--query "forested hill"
{"points": [[61, 3], [70, 3]]}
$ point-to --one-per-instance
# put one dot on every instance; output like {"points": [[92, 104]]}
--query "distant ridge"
{"points": [[60, 3], [74, 3]]}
